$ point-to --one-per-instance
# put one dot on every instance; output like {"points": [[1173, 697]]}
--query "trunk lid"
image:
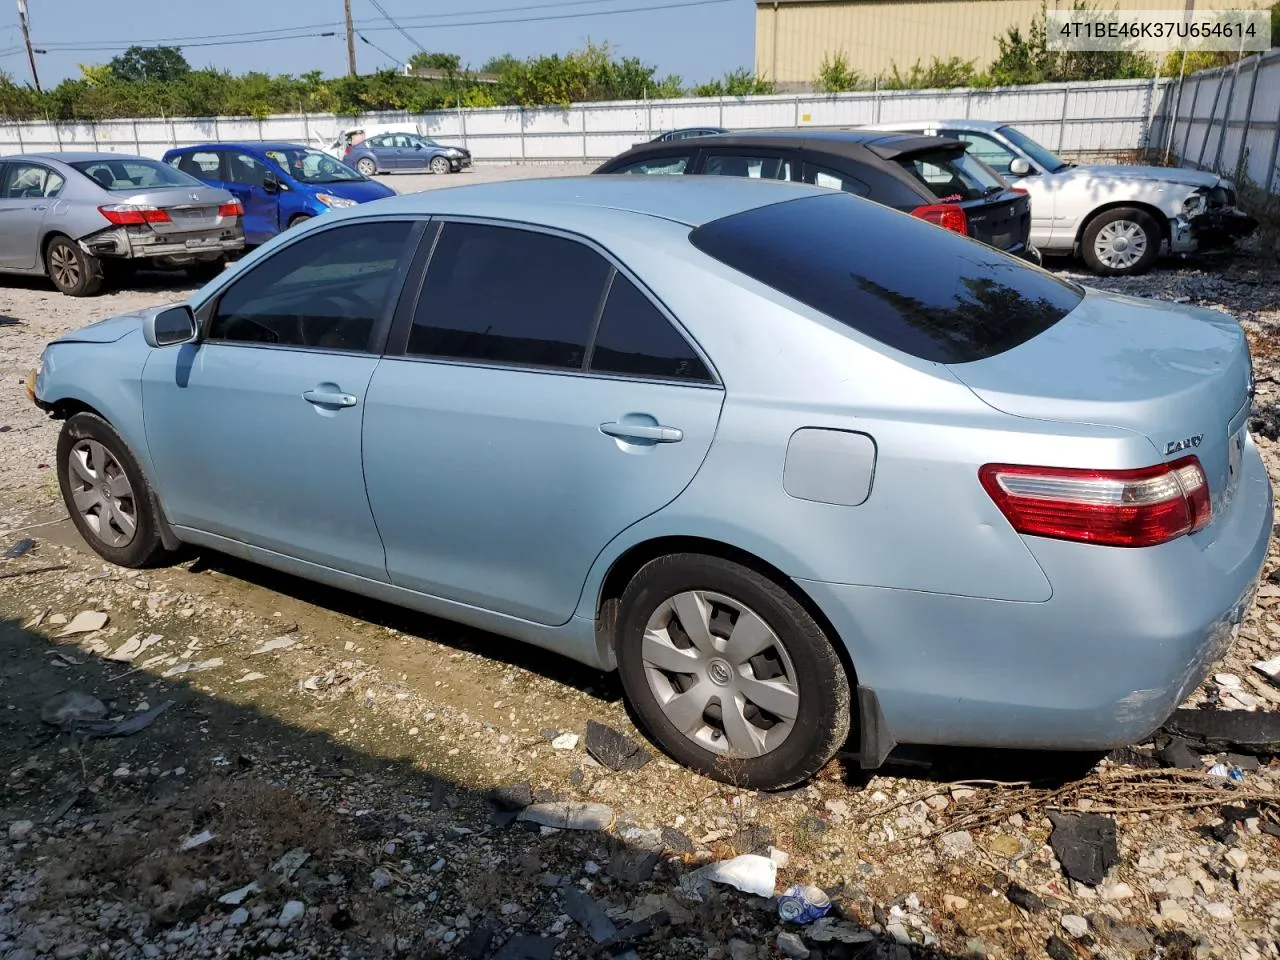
{"points": [[191, 209], [1176, 375], [1002, 220]]}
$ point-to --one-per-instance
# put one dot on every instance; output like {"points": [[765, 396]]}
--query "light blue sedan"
{"points": [[806, 470]]}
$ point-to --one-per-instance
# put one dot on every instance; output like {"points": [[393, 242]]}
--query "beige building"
{"points": [[793, 36]]}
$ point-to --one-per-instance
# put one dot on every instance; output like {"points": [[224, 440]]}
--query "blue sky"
{"points": [[697, 39]]}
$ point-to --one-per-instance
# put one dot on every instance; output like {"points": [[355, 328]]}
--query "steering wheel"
{"points": [[347, 305]]}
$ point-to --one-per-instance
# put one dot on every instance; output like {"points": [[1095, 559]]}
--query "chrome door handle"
{"points": [[42, 206], [323, 399], [640, 431]]}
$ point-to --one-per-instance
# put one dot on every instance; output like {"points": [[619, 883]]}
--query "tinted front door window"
{"points": [[327, 291], [509, 296]]}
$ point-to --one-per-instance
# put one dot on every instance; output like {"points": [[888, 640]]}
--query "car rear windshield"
{"points": [[910, 285], [951, 176], [134, 173]]}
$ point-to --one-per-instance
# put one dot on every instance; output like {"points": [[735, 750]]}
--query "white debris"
{"points": [[566, 741], [199, 840], [85, 622], [750, 873]]}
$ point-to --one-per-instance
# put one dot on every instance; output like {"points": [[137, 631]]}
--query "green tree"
{"points": [[735, 83], [165, 64], [501, 64], [835, 75], [936, 75], [449, 62], [1026, 58]]}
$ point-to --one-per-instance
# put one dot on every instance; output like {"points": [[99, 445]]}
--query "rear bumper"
{"points": [[1126, 636], [143, 243]]}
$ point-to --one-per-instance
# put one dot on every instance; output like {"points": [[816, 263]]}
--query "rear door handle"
{"points": [[640, 431], [323, 398]]}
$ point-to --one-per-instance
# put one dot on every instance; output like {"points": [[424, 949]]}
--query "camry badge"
{"points": [[1173, 446]]}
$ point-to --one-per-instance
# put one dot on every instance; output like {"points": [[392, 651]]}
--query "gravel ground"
{"points": [[321, 784]]}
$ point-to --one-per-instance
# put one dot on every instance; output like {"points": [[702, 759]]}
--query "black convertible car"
{"points": [[933, 178]]}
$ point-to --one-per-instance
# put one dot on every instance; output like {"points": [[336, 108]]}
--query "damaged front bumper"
{"points": [[1213, 229], [143, 243]]}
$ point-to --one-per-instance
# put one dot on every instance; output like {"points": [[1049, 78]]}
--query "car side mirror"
{"points": [[169, 326], [1019, 167], [271, 183]]}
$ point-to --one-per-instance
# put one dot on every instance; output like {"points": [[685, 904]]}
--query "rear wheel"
{"points": [[73, 272], [729, 673], [366, 166], [1121, 242], [439, 165], [109, 500]]}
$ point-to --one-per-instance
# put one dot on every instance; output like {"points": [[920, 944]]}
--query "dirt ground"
{"points": [[339, 755]]}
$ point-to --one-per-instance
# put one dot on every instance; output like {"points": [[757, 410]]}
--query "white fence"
{"points": [[1102, 119], [1228, 120]]}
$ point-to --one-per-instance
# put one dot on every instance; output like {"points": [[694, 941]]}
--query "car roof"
{"points": [[75, 156], [846, 142], [562, 201], [247, 145], [943, 122]]}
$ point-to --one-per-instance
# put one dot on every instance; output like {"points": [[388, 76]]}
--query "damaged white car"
{"points": [[1120, 218]]}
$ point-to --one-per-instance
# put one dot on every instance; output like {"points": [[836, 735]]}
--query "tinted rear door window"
{"points": [[927, 292], [754, 167], [636, 340], [510, 296]]}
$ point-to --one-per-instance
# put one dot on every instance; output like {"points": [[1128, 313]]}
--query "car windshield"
{"points": [[312, 166], [426, 141], [133, 173], [928, 292], [952, 177], [1041, 156]]}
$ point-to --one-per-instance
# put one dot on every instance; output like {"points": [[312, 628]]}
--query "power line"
{"points": [[211, 43], [395, 60], [403, 32], [292, 31], [573, 16]]}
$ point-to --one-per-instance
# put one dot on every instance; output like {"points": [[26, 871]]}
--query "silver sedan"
{"points": [[77, 217]]}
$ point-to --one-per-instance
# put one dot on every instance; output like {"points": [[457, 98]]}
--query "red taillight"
{"points": [[1021, 190], [946, 215], [232, 209], [1117, 508], [129, 215]]}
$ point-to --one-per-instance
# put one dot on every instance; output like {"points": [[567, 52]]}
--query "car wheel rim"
{"points": [[366, 168], [1120, 244], [102, 493], [64, 266], [440, 166], [720, 674]]}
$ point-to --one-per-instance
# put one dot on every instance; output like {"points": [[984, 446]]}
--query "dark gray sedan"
{"points": [[76, 217]]}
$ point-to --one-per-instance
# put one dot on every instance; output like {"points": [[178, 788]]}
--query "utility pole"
{"points": [[26, 38], [351, 39]]}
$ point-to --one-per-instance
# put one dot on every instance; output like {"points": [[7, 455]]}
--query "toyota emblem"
{"points": [[195, 196]]}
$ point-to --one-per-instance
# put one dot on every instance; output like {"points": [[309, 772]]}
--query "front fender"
{"points": [[107, 378]]}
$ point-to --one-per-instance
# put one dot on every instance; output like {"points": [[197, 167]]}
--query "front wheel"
{"points": [[729, 673], [439, 165], [1121, 242], [366, 167], [74, 272], [109, 500]]}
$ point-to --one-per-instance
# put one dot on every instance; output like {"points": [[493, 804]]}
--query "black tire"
{"points": [[300, 218], [441, 166], [74, 272], [814, 672], [1123, 220], [205, 270], [145, 548], [366, 166]]}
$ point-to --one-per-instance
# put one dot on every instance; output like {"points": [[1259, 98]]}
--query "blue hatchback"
{"points": [[278, 184]]}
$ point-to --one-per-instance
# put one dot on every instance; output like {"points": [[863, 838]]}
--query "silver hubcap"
{"points": [[440, 166], [63, 265], [720, 674], [1120, 244], [366, 167], [102, 494]]}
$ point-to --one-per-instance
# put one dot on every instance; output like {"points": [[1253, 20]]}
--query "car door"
{"points": [[998, 155], [417, 153], [506, 446], [246, 177], [28, 191], [388, 154], [254, 432], [755, 163]]}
